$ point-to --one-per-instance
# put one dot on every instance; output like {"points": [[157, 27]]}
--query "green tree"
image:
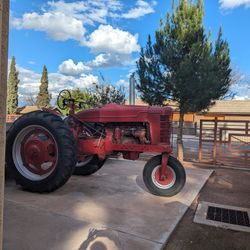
{"points": [[183, 65], [86, 97], [13, 82], [151, 84], [43, 98]]}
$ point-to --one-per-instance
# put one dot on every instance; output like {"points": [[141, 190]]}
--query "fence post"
{"points": [[4, 33], [200, 142], [215, 139], [195, 128], [246, 131]]}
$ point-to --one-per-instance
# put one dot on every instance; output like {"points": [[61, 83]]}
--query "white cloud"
{"points": [[100, 60], [103, 60], [64, 20], [68, 20], [107, 39], [70, 9], [68, 67], [30, 82], [85, 81], [110, 60], [57, 25], [89, 12], [58, 82], [230, 4], [141, 8]]}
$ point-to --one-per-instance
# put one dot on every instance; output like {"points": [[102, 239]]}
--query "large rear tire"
{"points": [[40, 151], [90, 168], [175, 176]]}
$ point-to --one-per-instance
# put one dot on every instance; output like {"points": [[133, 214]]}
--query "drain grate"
{"points": [[230, 216], [224, 216]]}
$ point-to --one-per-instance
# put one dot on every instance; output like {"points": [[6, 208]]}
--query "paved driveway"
{"points": [[108, 210]]}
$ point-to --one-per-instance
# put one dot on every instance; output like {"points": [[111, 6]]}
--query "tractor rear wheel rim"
{"points": [[169, 180], [35, 152]]}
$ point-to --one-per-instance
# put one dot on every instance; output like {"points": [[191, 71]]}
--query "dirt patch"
{"points": [[225, 186]]}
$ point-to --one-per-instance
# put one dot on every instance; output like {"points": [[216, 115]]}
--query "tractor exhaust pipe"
{"points": [[132, 89]]}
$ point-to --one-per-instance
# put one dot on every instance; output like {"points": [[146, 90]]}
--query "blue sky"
{"points": [[79, 40]]}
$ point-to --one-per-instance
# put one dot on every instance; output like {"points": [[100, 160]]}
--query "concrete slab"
{"points": [[111, 209]]}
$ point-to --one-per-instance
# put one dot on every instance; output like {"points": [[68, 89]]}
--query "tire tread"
{"points": [[66, 145], [175, 165]]}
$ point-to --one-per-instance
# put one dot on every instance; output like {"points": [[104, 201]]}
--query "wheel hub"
{"points": [[38, 152], [165, 179], [34, 152]]}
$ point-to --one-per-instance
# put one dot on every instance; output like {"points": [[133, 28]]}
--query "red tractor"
{"points": [[43, 149]]}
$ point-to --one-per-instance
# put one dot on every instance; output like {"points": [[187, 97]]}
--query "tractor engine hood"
{"points": [[123, 113]]}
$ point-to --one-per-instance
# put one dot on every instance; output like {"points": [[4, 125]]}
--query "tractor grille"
{"points": [[165, 129]]}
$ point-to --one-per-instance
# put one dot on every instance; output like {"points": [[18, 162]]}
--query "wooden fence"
{"points": [[225, 142]]}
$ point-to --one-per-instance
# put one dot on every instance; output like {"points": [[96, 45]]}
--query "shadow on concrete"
{"points": [[101, 240], [140, 183]]}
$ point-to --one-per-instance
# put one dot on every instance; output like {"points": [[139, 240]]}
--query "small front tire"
{"points": [[175, 179]]}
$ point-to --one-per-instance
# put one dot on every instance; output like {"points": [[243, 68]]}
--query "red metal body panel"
{"points": [[151, 132], [154, 116], [122, 113], [105, 147]]}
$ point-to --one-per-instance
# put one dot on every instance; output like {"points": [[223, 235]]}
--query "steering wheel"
{"points": [[63, 98]]}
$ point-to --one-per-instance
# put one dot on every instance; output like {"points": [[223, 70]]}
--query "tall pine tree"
{"points": [[12, 98], [43, 98], [183, 65]]}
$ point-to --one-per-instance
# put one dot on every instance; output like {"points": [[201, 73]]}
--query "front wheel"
{"points": [[172, 184]]}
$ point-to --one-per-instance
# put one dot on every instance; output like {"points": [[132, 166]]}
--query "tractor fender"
{"points": [[54, 111]]}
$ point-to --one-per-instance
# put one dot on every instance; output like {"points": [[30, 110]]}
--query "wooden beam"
{"points": [[4, 35]]}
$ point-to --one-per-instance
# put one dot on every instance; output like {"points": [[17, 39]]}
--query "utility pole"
{"points": [[4, 35]]}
